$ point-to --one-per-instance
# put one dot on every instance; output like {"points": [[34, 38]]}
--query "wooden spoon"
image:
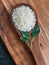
{"points": [[35, 50]]}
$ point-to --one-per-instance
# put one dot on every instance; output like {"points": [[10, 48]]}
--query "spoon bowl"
{"points": [[18, 5]]}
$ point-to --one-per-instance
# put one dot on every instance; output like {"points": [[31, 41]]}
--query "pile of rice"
{"points": [[24, 18]]}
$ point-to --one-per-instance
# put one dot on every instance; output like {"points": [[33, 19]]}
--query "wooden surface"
{"points": [[20, 53], [17, 51]]}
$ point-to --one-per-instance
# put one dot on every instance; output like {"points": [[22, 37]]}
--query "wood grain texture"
{"points": [[41, 57], [19, 51]]}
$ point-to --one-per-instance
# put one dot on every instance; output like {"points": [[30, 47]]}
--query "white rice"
{"points": [[24, 18]]}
